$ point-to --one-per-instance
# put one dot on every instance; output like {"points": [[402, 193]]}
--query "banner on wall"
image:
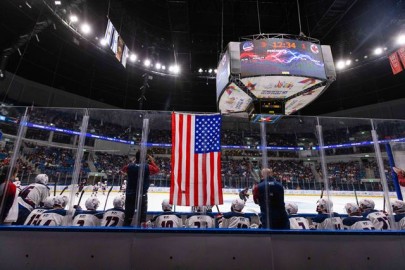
{"points": [[401, 54], [395, 63]]}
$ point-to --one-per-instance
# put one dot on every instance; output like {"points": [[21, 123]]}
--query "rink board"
{"points": [[129, 248]]}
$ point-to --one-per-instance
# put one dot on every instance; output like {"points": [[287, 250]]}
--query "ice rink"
{"points": [[306, 203]]}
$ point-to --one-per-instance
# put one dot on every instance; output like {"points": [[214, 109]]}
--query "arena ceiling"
{"points": [[194, 32]]}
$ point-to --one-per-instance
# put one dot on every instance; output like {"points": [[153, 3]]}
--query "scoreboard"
{"points": [[273, 74]]}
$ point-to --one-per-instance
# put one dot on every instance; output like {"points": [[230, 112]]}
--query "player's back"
{"points": [[200, 221], [167, 220], [34, 216], [32, 195], [54, 217], [87, 218], [298, 222], [234, 220], [325, 222], [113, 217], [379, 219], [357, 223]]}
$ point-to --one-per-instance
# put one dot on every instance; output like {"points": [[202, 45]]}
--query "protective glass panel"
{"points": [[356, 189], [45, 153]]}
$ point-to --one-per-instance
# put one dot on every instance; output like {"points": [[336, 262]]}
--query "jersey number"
{"points": [[80, 222], [24, 193], [242, 226], [302, 225], [113, 219], [168, 224], [34, 220], [383, 220]]}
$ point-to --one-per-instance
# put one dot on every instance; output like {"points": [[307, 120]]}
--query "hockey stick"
{"points": [[322, 193], [63, 190], [108, 194], [80, 198], [355, 195]]}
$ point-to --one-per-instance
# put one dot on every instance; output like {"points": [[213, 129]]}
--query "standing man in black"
{"points": [[132, 187], [269, 194]]}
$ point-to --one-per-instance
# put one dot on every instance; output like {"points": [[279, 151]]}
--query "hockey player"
{"points": [[104, 187], [115, 216], [123, 187], [399, 209], [378, 218], [17, 184], [95, 189], [56, 216], [244, 194], [81, 186], [167, 219], [31, 197], [200, 219], [326, 219], [89, 217], [35, 214], [235, 219], [297, 222], [355, 221]]}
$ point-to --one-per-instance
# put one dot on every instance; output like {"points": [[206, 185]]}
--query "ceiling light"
{"points": [[365, 57], [146, 63], [378, 51], [401, 39], [348, 62], [73, 18], [133, 57], [158, 66], [215, 70], [200, 70], [176, 69], [164, 67], [210, 70], [340, 65], [58, 3], [86, 29], [103, 42]]}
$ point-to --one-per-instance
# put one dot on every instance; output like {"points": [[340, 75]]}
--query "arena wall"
{"points": [[129, 248]]}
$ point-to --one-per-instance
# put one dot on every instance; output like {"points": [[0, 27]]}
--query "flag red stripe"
{"points": [[189, 134], [220, 196], [196, 180], [212, 179], [180, 158], [204, 177], [173, 157]]}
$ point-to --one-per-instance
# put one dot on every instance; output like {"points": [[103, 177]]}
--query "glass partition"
{"points": [[90, 156]]}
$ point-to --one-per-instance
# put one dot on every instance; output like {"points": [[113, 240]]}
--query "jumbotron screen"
{"points": [[223, 72], [275, 56]]}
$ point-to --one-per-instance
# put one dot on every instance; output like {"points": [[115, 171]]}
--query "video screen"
{"points": [[275, 56], [223, 72]]}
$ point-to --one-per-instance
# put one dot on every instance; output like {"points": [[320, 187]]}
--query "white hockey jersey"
{"points": [[113, 217], [298, 223], [234, 220], [325, 222], [357, 223], [167, 220], [34, 216], [87, 218], [400, 220], [379, 219], [54, 217], [32, 195], [200, 221]]}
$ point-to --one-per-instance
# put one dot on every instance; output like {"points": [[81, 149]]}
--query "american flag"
{"points": [[196, 160]]}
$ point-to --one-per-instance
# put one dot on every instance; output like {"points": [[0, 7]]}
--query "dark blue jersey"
{"points": [[272, 203]]}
